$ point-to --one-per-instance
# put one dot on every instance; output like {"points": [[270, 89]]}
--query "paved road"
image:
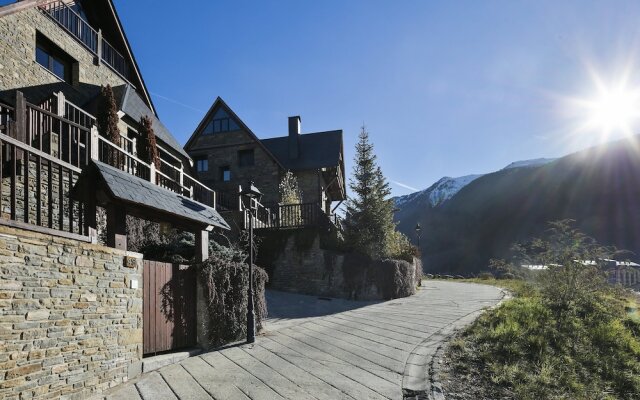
{"points": [[320, 349]]}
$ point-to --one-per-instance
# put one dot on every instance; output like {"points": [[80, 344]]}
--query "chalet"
{"points": [[77, 317], [228, 154]]}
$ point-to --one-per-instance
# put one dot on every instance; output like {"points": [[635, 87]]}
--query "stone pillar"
{"points": [[116, 227]]}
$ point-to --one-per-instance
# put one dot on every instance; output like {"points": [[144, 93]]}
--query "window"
{"points": [[53, 58], [245, 158], [225, 174], [202, 164], [217, 126]]}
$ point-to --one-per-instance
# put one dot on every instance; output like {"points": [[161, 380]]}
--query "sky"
{"points": [[443, 88]]}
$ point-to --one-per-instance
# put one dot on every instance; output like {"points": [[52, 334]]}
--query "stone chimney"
{"points": [[294, 136]]}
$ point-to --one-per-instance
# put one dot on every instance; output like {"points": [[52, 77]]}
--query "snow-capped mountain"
{"points": [[447, 187]]}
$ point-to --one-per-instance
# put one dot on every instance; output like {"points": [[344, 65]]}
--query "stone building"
{"points": [[77, 317], [227, 154]]}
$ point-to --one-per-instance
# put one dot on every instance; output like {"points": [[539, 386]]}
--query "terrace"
{"points": [[44, 152]]}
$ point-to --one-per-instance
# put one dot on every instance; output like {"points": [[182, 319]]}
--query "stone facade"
{"points": [[18, 66], [222, 150], [70, 325]]}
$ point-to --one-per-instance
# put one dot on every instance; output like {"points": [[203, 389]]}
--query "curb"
{"points": [[421, 377]]}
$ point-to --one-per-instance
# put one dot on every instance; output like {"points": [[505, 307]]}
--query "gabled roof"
{"points": [[131, 190], [104, 9], [316, 150], [214, 107]]}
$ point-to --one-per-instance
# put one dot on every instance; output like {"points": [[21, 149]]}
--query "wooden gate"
{"points": [[169, 307]]}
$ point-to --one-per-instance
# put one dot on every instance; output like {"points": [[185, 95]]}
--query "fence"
{"points": [[89, 37], [283, 216]]}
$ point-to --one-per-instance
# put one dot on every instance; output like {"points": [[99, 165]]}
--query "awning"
{"points": [[144, 199]]}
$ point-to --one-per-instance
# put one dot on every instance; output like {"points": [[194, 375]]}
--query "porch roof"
{"points": [[144, 199]]}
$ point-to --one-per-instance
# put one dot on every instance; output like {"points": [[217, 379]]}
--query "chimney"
{"points": [[294, 137]]}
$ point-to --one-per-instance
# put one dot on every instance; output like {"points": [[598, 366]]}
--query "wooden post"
{"points": [[152, 173], [214, 199], [202, 245], [95, 143], [60, 103], [116, 227], [90, 214], [99, 48], [21, 118], [240, 208]]}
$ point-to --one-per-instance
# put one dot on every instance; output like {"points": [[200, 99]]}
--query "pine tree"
{"points": [[146, 145], [369, 226], [107, 123]]}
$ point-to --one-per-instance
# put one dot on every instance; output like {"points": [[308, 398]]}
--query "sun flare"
{"points": [[613, 109]]}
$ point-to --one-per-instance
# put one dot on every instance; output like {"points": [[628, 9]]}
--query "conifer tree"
{"points": [[107, 123], [146, 145], [369, 226]]}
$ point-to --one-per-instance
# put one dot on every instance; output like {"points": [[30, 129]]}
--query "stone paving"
{"points": [[327, 349]]}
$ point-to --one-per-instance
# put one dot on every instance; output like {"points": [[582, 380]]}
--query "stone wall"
{"points": [[298, 262], [18, 67], [70, 326]]}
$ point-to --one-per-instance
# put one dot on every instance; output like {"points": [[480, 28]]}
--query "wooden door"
{"points": [[169, 307]]}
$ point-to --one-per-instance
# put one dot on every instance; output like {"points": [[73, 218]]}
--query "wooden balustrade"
{"points": [[35, 187], [42, 154], [73, 23], [92, 39], [283, 216]]}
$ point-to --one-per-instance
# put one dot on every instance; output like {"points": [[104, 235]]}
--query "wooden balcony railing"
{"points": [[85, 34], [35, 187], [285, 216], [43, 153]]}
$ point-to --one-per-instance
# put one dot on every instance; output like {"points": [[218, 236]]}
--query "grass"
{"points": [[527, 349]]}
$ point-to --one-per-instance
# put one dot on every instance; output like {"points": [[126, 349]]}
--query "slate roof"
{"points": [[132, 189], [317, 150]]}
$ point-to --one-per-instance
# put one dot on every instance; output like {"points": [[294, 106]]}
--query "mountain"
{"points": [[447, 187], [529, 163], [599, 188], [437, 193]]}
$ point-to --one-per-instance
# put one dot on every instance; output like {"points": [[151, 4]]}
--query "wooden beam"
{"points": [[116, 226], [202, 246]]}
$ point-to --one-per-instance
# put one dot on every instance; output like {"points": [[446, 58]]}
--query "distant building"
{"points": [[228, 154], [625, 273]]}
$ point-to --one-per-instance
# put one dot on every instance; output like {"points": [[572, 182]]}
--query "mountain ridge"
{"points": [[598, 187]]}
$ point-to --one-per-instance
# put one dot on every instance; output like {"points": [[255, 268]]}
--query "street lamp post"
{"points": [[418, 233], [252, 193]]}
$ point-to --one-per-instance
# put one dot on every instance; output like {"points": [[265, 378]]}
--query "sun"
{"points": [[615, 109]]}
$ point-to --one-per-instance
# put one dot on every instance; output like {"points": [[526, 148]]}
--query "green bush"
{"points": [[391, 278], [566, 336]]}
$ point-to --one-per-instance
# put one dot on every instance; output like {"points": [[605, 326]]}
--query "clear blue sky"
{"points": [[444, 88]]}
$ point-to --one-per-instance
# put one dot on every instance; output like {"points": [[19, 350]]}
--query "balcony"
{"points": [[42, 155], [77, 27]]}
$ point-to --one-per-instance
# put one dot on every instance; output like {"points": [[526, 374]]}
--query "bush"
{"points": [[226, 285], [566, 337], [390, 279]]}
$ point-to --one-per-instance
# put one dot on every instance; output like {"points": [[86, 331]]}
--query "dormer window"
{"points": [[53, 58]]}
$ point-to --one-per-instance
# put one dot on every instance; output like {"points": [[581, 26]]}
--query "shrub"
{"points": [[390, 279], [226, 284], [566, 337]]}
